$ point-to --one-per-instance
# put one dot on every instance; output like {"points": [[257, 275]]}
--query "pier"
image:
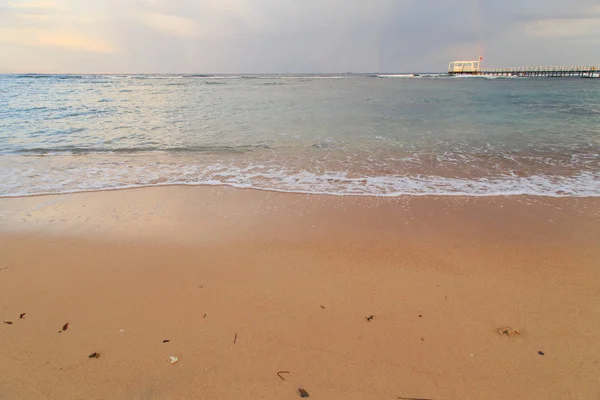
{"points": [[473, 68]]}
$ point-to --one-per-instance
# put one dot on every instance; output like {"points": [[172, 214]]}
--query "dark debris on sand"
{"points": [[282, 372]]}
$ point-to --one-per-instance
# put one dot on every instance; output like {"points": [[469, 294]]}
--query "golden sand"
{"points": [[260, 294]]}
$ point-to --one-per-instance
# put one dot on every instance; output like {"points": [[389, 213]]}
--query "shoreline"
{"points": [[299, 192], [246, 283]]}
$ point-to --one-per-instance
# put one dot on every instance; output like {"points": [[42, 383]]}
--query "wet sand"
{"points": [[246, 283]]}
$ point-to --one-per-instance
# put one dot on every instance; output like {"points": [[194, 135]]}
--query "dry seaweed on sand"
{"points": [[511, 332], [411, 398]]}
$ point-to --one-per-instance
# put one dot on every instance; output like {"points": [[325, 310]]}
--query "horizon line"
{"points": [[222, 73]]}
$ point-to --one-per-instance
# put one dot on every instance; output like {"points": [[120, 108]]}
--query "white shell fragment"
{"points": [[173, 359]]}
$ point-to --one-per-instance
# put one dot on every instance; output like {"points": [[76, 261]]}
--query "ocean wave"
{"points": [[276, 77], [47, 76], [33, 76], [122, 175], [311, 77], [397, 76], [141, 149], [223, 77]]}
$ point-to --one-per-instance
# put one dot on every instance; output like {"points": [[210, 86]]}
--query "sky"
{"points": [[263, 36]]}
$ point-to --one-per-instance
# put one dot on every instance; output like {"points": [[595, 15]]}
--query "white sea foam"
{"points": [[107, 176], [397, 76]]}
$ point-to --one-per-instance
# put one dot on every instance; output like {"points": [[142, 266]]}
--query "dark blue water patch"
{"points": [[79, 114], [39, 133], [47, 133], [46, 76], [71, 131], [32, 109], [33, 76], [198, 76], [142, 149]]}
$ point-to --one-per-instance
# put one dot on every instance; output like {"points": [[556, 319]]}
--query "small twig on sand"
{"points": [[411, 398], [282, 372], [235, 338], [369, 318]]}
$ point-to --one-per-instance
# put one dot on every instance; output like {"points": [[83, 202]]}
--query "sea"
{"points": [[333, 134]]}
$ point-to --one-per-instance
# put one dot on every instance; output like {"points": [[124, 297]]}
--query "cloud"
{"points": [[36, 5], [564, 28], [64, 41], [75, 42], [55, 25], [171, 24], [295, 36]]}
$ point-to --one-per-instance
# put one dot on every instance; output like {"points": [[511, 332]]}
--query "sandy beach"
{"points": [[354, 297]]}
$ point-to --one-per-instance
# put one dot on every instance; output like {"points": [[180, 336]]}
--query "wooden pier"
{"points": [[583, 71], [474, 68]]}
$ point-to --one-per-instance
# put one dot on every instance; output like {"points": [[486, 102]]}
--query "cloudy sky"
{"points": [[292, 35]]}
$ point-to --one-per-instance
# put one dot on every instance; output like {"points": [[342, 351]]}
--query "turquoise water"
{"points": [[346, 135]]}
